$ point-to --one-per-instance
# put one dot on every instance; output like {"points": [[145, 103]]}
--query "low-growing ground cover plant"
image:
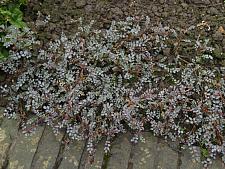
{"points": [[99, 83], [10, 14]]}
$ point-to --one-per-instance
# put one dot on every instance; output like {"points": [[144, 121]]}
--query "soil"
{"points": [[175, 13], [207, 15]]}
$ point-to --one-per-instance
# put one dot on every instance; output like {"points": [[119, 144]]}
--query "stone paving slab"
{"points": [[8, 133], [47, 152], [120, 152], [165, 157], [217, 164], [144, 152], [187, 160], [72, 155], [22, 153], [42, 150]]}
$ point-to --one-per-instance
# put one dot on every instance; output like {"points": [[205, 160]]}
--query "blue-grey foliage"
{"points": [[102, 82]]}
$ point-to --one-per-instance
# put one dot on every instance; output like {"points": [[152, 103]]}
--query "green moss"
{"points": [[217, 52], [105, 161]]}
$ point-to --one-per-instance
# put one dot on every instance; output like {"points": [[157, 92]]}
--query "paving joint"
{"points": [[83, 157], [36, 151], [59, 157]]}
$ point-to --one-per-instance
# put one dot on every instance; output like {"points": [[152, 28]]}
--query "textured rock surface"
{"points": [[22, 153], [47, 152], [43, 149], [166, 157], [120, 153], [72, 155], [187, 160], [8, 134], [217, 164], [144, 152]]}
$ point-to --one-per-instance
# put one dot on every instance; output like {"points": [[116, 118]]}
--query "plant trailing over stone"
{"points": [[102, 82]]}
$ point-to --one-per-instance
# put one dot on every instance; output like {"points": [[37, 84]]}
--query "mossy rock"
{"points": [[218, 53]]}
